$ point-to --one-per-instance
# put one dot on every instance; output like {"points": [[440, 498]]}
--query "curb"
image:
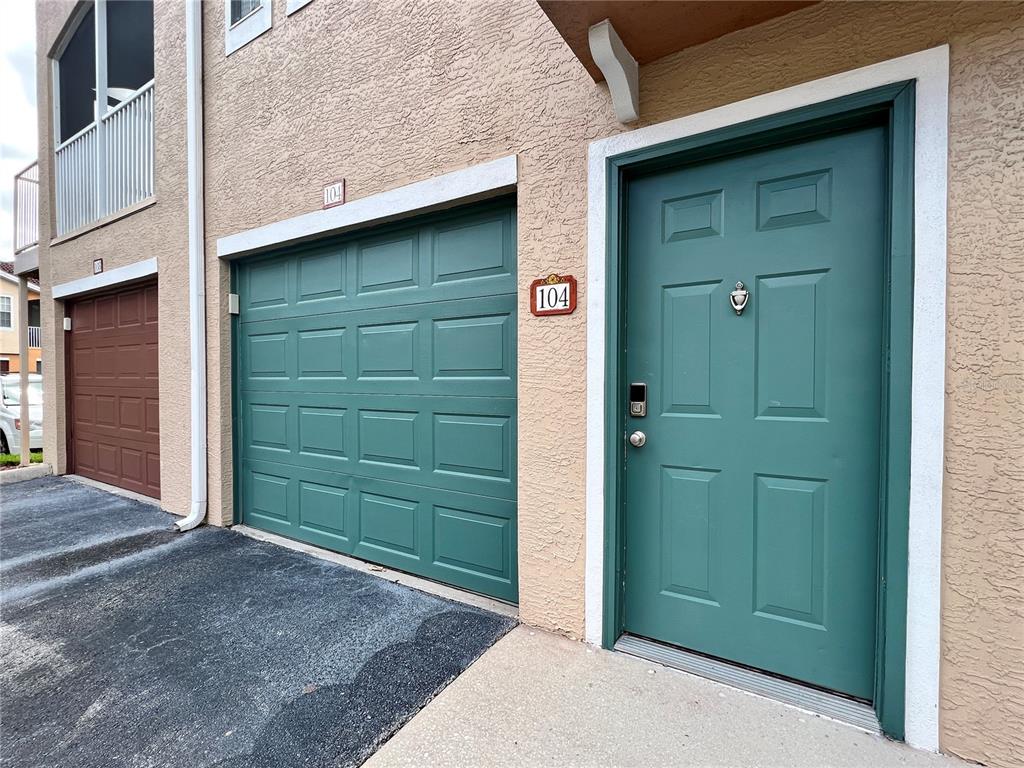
{"points": [[21, 474]]}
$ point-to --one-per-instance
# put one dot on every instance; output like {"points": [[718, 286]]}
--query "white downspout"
{"points": [[26, 422], [196, 258]]}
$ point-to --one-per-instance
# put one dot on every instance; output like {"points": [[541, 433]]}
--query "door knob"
{"points": [[637, 439]]}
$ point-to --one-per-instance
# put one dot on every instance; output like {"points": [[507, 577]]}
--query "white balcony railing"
{"points": [[129, 138], [26, 208], [76, 181], [33, 336], [106, 167]]}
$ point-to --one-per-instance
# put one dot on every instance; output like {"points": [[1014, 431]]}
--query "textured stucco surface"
{"points": [[982, 680], [384, 93], [159, 230], [440, 86]]}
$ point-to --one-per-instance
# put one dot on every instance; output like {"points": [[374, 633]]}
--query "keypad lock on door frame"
{"points": [[638, 399]]}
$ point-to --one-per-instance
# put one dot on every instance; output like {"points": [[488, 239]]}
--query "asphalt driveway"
{"points": [[125, 643]]}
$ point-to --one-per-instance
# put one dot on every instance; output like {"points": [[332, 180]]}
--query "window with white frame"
{"points": [[293, 5], [244, 21], [6, 312], [242, 8], [103, 111]]}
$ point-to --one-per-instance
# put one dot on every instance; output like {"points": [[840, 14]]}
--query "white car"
{"points": [[10, 412]]}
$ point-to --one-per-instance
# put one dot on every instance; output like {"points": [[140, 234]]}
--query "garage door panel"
{"points": [[129, 310], [270, 496], [322, 432], [459, 348], [266, 284], [132, 416], [83, 409], [474, 348], [376, 396], [475, 446], [83, 363], [472, 249], [106, 313], [106, 363], [113, 437], [463, 539], [152, 405], [321, 276], [453, 257], [323, 510], [153, 472], [321, 354], [83, 316], [133, 463], [113, 389], [391, 438], [104, 413], [150, 361], [463, 444], [389, 263], [389, 351], [389, 525], [459, 538], [150, 300], [108, 459], [85, 454], [472, 541], [135, 410]]}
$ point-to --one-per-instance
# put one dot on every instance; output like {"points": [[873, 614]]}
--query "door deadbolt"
{"points": [[638, 399]]}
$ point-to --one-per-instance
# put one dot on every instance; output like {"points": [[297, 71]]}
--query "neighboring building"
{"points": [[829, 485], [10, 355]]}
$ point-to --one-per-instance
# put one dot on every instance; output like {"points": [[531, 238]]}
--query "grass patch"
{"points": [[14, 459]]}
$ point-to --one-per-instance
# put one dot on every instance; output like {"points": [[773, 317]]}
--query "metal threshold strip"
{"points": [[837, 707]]}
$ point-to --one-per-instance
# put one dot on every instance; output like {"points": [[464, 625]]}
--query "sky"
{"points": [[18, 145]]}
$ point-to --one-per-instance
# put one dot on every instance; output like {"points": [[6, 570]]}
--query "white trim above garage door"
{"points": [[477, 182], [136, 271]]}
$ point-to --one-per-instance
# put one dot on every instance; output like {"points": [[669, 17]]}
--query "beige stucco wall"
{"points": [[157, 231], [356, 90]]}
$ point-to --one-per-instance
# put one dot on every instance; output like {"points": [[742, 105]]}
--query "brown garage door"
{"points": [[113, 389]]}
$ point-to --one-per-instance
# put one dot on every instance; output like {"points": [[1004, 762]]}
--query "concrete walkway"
{"points": [[535, 699]]}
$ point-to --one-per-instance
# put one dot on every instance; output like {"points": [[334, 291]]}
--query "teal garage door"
{"points": [[376, 396]]}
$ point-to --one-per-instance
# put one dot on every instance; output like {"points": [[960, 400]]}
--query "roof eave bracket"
{"points": [[619, 68]]}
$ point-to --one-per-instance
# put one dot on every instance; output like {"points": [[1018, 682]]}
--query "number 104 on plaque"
{"points": [[553, 295]]}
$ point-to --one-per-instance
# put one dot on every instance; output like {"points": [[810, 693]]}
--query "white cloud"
{"points": [[18, 146]]}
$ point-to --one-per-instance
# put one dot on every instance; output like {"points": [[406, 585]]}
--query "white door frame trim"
{"points": [[930, 70]]}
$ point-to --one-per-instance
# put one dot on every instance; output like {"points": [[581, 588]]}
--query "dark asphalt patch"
{"points": [[349, 722], [211, 650], [86, 516], [71, 561]]}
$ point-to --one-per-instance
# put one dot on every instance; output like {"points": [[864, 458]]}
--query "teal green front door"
{"points": [[376, 396], [751, 512]]}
